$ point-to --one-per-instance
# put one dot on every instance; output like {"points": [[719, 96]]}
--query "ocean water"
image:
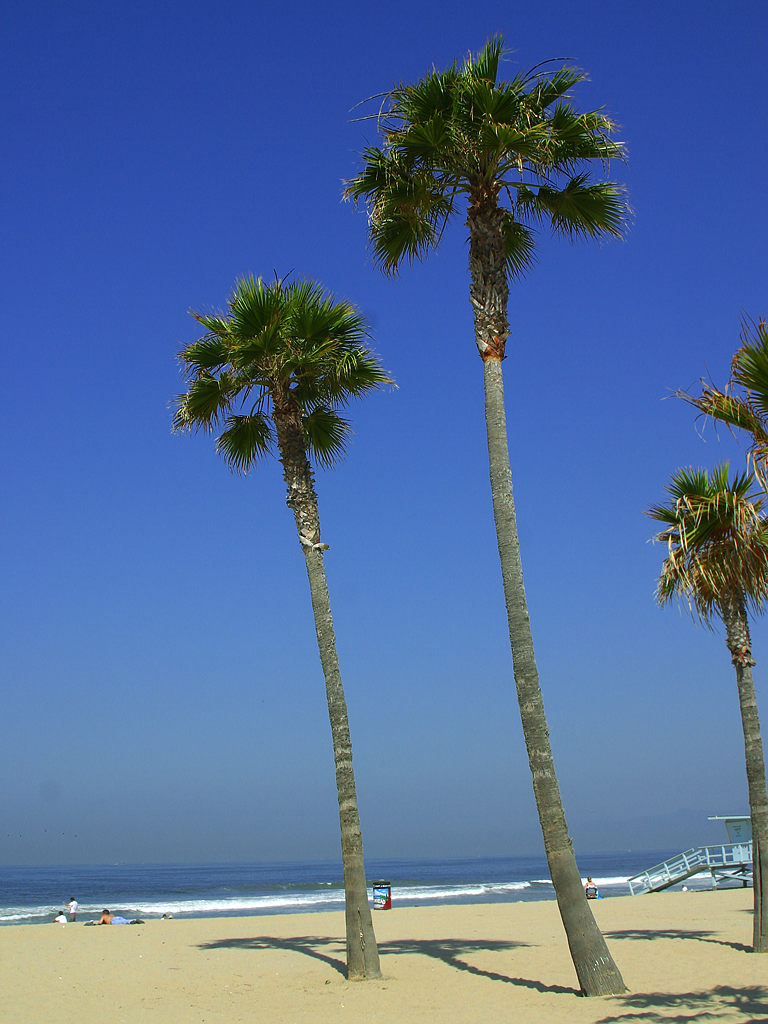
{"points": [[33, 894]]}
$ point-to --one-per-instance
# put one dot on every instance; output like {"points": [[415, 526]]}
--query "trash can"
{"points": [[382, 895]]}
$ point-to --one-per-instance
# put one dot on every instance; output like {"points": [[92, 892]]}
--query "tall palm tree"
{"points": [[517, 154], [716, 534], [743, 403], [272, 374]]}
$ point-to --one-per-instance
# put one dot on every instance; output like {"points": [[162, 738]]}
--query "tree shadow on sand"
{"points": [[709, 1005], [675, 933], [450, 951], [307, 945], [453, 951]]}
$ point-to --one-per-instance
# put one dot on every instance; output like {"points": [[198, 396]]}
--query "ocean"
{"points": [[30, 895]]}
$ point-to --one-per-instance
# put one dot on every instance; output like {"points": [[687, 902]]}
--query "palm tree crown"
{"points": [[519, 144], [744, 401], [287, 345], [717, 541]]}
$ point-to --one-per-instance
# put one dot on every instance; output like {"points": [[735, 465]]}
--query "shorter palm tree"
{"points": [[272, 374], [716, 534], [743, 403]]}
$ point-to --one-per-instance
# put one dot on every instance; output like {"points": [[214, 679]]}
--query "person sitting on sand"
{"points": [[61, 918], [590, 889], [109, 918]]}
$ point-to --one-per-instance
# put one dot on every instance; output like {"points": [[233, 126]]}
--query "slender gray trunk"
{"points": [[596, 971], [362, 953], [740, 645]]}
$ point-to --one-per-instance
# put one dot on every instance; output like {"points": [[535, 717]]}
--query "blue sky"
{"points": [[163, 698]]}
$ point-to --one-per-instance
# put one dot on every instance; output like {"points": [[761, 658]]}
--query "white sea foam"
{"points": [[244, 904], [313, 900], [15, 913]]}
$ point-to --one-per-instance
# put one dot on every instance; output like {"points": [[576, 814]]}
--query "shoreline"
{"points": [[683, 957], [32, 895]]}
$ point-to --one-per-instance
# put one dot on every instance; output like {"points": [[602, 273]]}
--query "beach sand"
{"points": [[684, 957]]}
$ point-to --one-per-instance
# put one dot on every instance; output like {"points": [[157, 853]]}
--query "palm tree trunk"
{"points": [[740, 646], [362, 952], [596, 971]]}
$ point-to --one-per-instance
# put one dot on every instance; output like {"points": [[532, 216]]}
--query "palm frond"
{"points": [[407, 220], [716, 535], [217, 325], [500, 105], [726, 408], [419, 102], [425, 140], [207, 399], [579, 209], [749, 368], [209, 353], [743, 404], [485, 66], [519, 247], [551, 88], [245, 440], [353, 374], [326, 433], [255, 308]]}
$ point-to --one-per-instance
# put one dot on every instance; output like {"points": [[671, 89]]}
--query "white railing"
{"points": [[691, 862]]}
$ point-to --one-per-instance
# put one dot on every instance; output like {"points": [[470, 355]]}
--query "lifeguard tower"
{"points": [[730, 862]]}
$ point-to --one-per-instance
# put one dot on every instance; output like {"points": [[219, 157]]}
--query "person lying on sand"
{"points": [[114, 919]]}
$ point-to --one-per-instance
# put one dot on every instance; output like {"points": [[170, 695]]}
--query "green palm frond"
{"points": [[578, 209], [208, 353], [407, 219], [348, 373], [749, 368], [207, 399], [255, 309], [418, 103], [326, 433], [519, 247], [500, 105], [549, 89], [576, 137], [485, 66], [245, 440], [426, 140], [716, 535], [217, 325], [743, 404]]}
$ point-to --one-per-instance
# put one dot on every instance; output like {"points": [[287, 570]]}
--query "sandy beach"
{"points": [[683, 955]]}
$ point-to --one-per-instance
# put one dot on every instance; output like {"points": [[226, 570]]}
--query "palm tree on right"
{"points": [[716, 534], [512, 154]]}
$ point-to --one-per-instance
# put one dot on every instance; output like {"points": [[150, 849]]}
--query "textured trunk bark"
{"points": [[740, 645], [595, 969], [362, 952]]}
